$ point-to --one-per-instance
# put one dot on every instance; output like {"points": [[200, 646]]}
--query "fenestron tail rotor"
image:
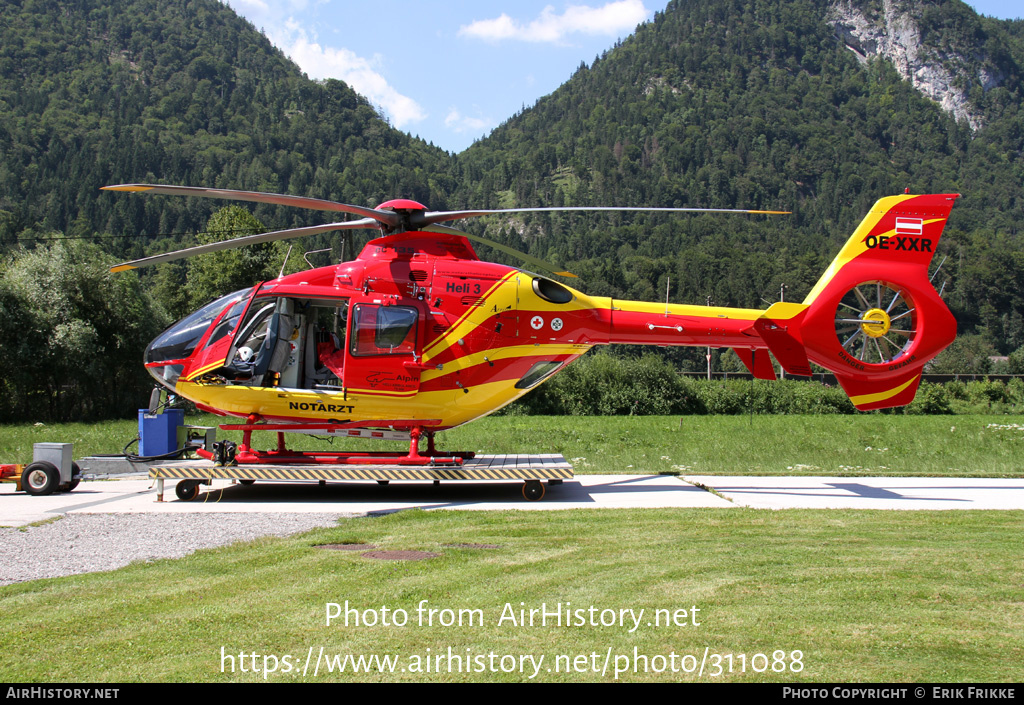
{"points": [[876, 322], [392, 218]]}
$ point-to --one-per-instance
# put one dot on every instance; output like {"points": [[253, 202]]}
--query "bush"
{"points": [[930, 399], [605, 385], [602, 384]]}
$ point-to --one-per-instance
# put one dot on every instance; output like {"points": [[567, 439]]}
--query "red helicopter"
{"points": [[418, 334]]}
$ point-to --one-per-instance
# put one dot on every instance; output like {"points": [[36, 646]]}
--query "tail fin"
{"points": [[873, 318]]}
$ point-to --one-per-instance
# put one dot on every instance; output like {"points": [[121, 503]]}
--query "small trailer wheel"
{"points": [[187, 490], [76, 476], [40, 478], [247, 482], [383, 482], [533, 490]]}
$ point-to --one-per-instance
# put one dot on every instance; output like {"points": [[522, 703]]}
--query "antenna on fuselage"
{"points": [[285, 263]]}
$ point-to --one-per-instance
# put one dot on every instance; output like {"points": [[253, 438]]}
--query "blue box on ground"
{"points": [[158, 433]]}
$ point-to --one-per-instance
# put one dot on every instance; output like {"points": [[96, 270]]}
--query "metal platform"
{"points": [[528, 468]]}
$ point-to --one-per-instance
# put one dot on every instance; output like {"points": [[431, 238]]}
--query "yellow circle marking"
{"points": [[876, 323]]}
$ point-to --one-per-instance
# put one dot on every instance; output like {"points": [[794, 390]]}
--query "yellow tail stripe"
{"points": [[882, 396], [855, 245]]}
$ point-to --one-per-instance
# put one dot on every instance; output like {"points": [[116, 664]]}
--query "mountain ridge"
{"points": [[717, 103]]}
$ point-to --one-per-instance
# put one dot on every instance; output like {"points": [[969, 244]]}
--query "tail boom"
{"points": [[874, 319]]}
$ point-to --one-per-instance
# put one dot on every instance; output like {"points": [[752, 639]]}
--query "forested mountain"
{"points": [[815, 106], [94, 92], [762, 104]]}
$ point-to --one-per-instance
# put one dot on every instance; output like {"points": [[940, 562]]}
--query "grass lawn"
{"points": [[808, 596], [861, 595], [864, 444]]}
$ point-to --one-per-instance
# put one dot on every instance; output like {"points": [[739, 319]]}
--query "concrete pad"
{"points": [[19, 508], [139, 496], [867, 492]]}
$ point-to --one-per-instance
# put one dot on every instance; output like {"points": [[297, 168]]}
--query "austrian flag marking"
{"points": [[909, 226]]}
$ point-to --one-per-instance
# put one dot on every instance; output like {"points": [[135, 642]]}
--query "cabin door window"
{"points": [[382, 339]]}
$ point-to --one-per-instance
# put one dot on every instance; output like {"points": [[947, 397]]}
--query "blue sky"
{"points": [[450, 71]]}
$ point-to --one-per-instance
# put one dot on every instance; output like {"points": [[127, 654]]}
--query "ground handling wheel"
{"points": [[187, 490], [533, 490], [40, 478], [76, 477]]}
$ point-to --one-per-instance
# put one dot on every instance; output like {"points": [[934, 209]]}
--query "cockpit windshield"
{"points": [[180, 340]]}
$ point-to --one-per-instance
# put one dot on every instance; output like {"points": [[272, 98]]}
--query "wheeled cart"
{"points": [[533, 470], [51, 470]]}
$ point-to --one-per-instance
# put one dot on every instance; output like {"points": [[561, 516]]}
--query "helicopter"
{"points": [[417, 334]]}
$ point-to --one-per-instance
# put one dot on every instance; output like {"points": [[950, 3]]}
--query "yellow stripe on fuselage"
{"points": [[475, 315], [654, 308], [452, 406], [505, 353], [505, 296], [203, 370]]}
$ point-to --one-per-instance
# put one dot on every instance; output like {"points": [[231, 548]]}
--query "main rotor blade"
{"points": [[242, 241], [387, 217], [442, 216], [529, 259]]}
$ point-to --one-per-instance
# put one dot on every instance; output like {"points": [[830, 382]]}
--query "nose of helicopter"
{"points": [[166, 356]]}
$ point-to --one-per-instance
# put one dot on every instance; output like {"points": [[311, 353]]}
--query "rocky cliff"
{"points": [[892, 30]]}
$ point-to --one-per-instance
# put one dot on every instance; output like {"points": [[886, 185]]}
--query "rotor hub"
{"points": [[401, 204], [876, 323]]}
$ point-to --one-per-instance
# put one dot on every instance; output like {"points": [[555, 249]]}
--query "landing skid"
{"points": [[227, 454]]}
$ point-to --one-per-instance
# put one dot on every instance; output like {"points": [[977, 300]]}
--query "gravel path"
{"points": [[84, 543]]}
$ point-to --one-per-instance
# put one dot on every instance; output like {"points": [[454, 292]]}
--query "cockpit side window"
{"points": [[383, 330], [251, 336]]}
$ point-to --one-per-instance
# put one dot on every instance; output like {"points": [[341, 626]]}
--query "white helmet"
{"points": [[245, 354]]}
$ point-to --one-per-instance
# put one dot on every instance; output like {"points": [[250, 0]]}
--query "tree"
{"points": [[1016, 361], [219, 273], [968, 354], [72, 335]]}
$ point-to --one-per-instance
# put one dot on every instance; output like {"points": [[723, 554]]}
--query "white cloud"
{"points": [[252, 5], [321, 62], [460, 123], [326, 62], [611, 19], [271, 10]]}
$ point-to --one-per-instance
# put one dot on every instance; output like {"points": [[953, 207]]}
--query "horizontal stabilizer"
{"points": [[779, 328]]}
